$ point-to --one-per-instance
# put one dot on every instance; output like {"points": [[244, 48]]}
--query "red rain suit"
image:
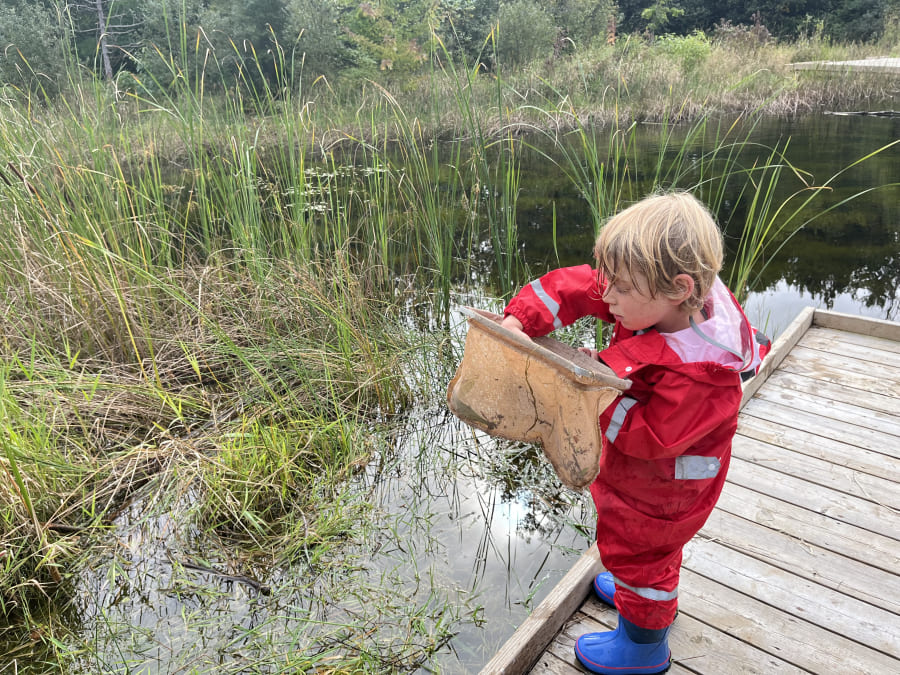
{"points": [[666, 440]]}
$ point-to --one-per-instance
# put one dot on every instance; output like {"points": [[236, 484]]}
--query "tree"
{"points": [[659, 14], [322, 45], [582, 20], [32, 47], [466, 27], [393, 35], [526, 32], [105, 32]]}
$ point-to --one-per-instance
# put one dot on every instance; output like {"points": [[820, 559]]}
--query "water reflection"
{"points": [[499, 525], [850, 247]]}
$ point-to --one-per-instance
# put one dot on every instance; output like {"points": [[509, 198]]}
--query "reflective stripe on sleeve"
{"points": [[649, 593], [618, 417], [696, 467], [549, 302]]}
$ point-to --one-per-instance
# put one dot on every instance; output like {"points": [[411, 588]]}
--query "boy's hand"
{"points": [[512, 324], [593, 353]]}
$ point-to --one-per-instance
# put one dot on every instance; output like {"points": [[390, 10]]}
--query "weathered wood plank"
{"points": [[856, 620], [775, 631], [888, 66], [849, 372], [827, 474], [874, 403], [857, 418], [550, 664], [839, 342], [858, 324], [520, 652], [818, 499], [831, 344], [780, 349], [815, 528], [814, 563], [872, 452]]}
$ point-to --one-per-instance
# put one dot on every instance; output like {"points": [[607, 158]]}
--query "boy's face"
{"points": [[630, 301]]}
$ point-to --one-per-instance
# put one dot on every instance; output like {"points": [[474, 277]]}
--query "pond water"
{"points": [[466, 521]]}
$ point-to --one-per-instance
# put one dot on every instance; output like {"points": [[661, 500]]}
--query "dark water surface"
{"points": [[847, 260]]}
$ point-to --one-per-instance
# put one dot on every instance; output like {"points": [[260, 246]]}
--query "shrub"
{"points": [[526, 32], [738, 37], [32, 57], [691, 49]]}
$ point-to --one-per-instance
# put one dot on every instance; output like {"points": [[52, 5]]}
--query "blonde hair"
{"points": [[661, 237]]}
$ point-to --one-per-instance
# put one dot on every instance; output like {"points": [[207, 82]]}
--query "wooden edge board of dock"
{"points": [[886, 65], [798, 568]]}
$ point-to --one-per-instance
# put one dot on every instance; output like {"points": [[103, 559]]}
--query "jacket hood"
{"points": [[728, 331]]}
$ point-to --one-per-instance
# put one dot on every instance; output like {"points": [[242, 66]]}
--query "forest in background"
{"points": [[281, 43]]}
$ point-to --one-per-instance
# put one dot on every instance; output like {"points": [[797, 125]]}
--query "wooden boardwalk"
{"points": [[798, 568], [887, 65]]}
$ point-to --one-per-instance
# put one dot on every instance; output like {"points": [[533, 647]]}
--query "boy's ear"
{"points": [[684, 285]]}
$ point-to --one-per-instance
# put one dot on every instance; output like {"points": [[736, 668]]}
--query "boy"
{"points": [[683, 341]]}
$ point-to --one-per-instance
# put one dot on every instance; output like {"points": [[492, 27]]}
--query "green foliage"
{"points": [[890, 37], [582, 21], [32, 48], [322, 45], [466, 26], [659, 14], [740, 38], [526, 32], [392, 35], [860, 20], [691, 50]]}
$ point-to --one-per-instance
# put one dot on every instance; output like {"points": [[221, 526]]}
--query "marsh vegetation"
{"points": [[230, 322]]}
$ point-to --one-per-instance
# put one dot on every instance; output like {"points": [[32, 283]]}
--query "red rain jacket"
{"points": [[666, 440]]}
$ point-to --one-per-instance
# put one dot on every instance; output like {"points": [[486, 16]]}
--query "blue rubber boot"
{"points": [[605, 588], [627, 650]]}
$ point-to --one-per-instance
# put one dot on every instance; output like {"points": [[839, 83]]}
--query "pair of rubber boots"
{"points": [[627, 649]]}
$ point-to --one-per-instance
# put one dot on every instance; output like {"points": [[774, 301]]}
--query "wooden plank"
{"points": [[864, 486], [818, 499], [809, 526], [814, 563], [862, 378], [854, 619], [550, 664], [884, 372], [874, 403], [780, 349], [858, 448], [831, 343], [831, 339], [888, 66], [520, 652], [775, 631], [858, 324], [859, 419]]}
